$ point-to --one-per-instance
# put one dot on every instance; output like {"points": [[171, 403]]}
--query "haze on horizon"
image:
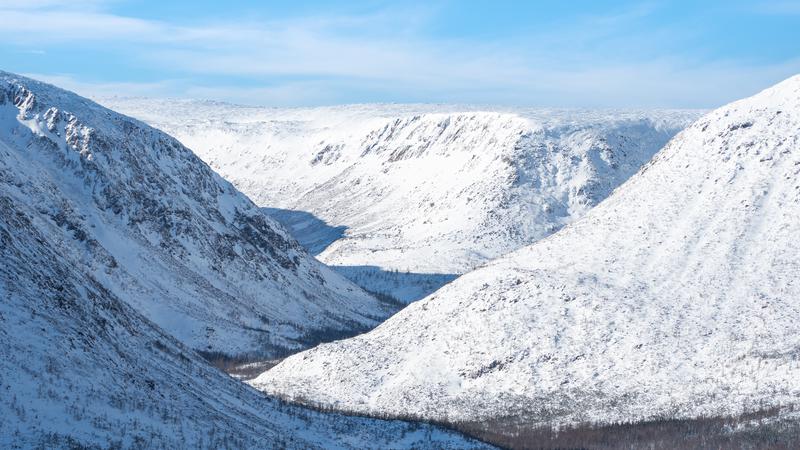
{"points": [[606, 54]]}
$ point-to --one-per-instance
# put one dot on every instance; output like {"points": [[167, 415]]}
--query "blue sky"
{"points": [[560, 54]]}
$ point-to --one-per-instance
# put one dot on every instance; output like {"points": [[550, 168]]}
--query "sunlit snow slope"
{"points": [[155, 226], [677, 297], [79, 368], [420, 189]]}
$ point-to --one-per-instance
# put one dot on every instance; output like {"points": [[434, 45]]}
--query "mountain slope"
{"points": [[420, 189], [677, 297], [157, 227], [79, 368]]}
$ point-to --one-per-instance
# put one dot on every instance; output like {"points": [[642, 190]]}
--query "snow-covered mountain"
{"points": [[677, 297], [156, 227], [403, 198], [80, 368]]}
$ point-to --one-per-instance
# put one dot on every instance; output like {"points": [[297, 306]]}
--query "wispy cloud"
{"points": [[387, 55], [165, 88], [776, 7], [44, 4]]}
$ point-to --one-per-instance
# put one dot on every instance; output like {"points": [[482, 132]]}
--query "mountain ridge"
{"points": [[163, 231], [104, 376], [81, 366], [672, 298], [423, 189]]}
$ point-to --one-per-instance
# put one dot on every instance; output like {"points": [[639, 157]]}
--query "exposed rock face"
{"points": [[155, 226], [435, 190], [79, 368], [104, 219]]}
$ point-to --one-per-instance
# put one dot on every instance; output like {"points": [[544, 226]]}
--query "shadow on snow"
{"points": [[313, 233], [405, 287], [392, 286]]}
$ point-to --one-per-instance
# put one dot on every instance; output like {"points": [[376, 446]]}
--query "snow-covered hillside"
{"points": [[677, 297], [397, 192], [155, 226], [79, 368]]}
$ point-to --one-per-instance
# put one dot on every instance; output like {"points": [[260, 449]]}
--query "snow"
{"points": [[158, 228], [80, 364], [429, 190], [675, 297]]}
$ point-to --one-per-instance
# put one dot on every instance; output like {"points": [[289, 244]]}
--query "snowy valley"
{"points": [[674, 299], [417, 225], [402, 199], [667, 310]]}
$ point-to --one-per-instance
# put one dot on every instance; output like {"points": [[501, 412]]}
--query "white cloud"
{"points": [[385, 55], [776, 7], [79, 5]]}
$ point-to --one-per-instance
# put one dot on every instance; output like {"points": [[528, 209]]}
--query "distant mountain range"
{"points": [[403, 198]]}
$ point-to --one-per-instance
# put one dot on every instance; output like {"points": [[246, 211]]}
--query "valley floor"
{"points": [[768, 429], [773, 429], [398, 287]]}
